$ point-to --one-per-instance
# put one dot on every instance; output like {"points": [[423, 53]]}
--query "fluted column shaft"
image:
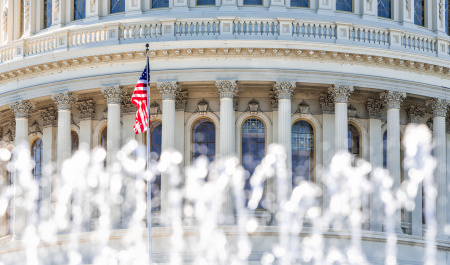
{"points": [[113, 95], [86, 110], [226, 90], [341, 94]]}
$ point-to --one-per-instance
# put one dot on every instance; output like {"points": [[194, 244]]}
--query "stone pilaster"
{"points": [[86, 111], [393, 100], [340, 94], [414, 114], [113, 95]]}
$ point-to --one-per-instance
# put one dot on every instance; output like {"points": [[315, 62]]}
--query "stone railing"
{"points": [[226, 28]]}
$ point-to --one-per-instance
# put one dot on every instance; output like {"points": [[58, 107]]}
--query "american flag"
{"points": [[139, 99]]}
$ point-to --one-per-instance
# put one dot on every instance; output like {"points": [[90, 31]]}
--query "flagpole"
{"points": [[149, 183]]}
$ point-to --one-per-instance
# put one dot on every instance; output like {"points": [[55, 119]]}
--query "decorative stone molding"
{"points": [[414, 114], [202, 107], [34, 128], [429, 123], [303, 108], [447, 123], [113, 94], [374, 108], [64, 100], [155, 108], [5, 20], [438, 107], [49, 117], [273, 99], [21, 108], [253, 107], [27, 13], [181, 101], [168, 90], [235, 102], [340, 93], [351, 110], [284, 90], [227, 88], [127, 107], [105, 113], [327, 103], [392, 99], [8, 136], [86, 109]]}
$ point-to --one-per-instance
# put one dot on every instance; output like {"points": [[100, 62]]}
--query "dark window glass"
{"points": [[302, 137], [253, 151], [104, 138], [300, 3], [161, 3], [79, 9], [353, 141], [253, 2], [74, 140], [419, 12], [385, 149], [344, 5], [206, 2], [155, 140], [203, 139], [21, 24], [117, 6], [47, 13], [36, 155], [384, 8]]}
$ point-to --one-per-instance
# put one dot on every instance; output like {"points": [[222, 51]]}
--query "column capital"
{"points": [[326, 103], [393, 99], [113, 94], [21, 108], [86, 109], [49, 116], [374, 108], [340, 93], [414, 114], [64, 100], [226, 88], [181, 100], [438, 107], [284, 89], [168, 90]]}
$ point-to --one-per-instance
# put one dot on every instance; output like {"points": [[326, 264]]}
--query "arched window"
{"points": [[36, 155], [47, 13], [155, 147], [354, 141], [206, 2], [74, 140], [116, 6], [204, 139], [79, 9], [253, 150], [344, 5], [300, 3], [160, 3], [384, 8], [302, 152], [253, 2], [419, 12]]}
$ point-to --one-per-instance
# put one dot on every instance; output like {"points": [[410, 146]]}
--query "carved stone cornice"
{"points": [[414, 114], [284, 89], [327, 103], [340, 93], [64, 100], [226, 88], [168, 90], [113, 94], [392, 99], [86, 109], [21, 108], [438, 107], [181, 101], [49, 117], [374, 108]]}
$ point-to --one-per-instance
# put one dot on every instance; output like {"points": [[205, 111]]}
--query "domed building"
{"points": [[228, 78]]}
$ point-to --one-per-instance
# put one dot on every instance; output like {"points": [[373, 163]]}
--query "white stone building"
{"points": [[317, 77]]}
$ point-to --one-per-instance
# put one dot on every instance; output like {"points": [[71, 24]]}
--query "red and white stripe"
{"points": [[139, 99]]}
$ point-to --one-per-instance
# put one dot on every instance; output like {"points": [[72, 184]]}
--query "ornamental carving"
{"points": [[21, 108], [181, 100], [284, 90], [127, 107], [273, 99], [168, 90], [202, 106], [155, 108], [441, 10], [226, 88], [86, 109], [408, 5], [49, 117], [9, 136], [374, 108], [340, 93], [303, 108], [5, 20], [26, 13], [414, 114], [113, 94], [447, 123], [34, 128], [438, 107], [327, 103], [429, 124], [393, 99], [351, 110], [64, 100], [56, 3], [253, 107]]}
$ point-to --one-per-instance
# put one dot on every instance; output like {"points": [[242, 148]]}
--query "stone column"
{"points": [[169, 92], [439, 109], [226, 90], [284, 91], [393, 101], [21, 111], [340, 94], [376, 160], [64, 103], [86, 110], [113, 95]]}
